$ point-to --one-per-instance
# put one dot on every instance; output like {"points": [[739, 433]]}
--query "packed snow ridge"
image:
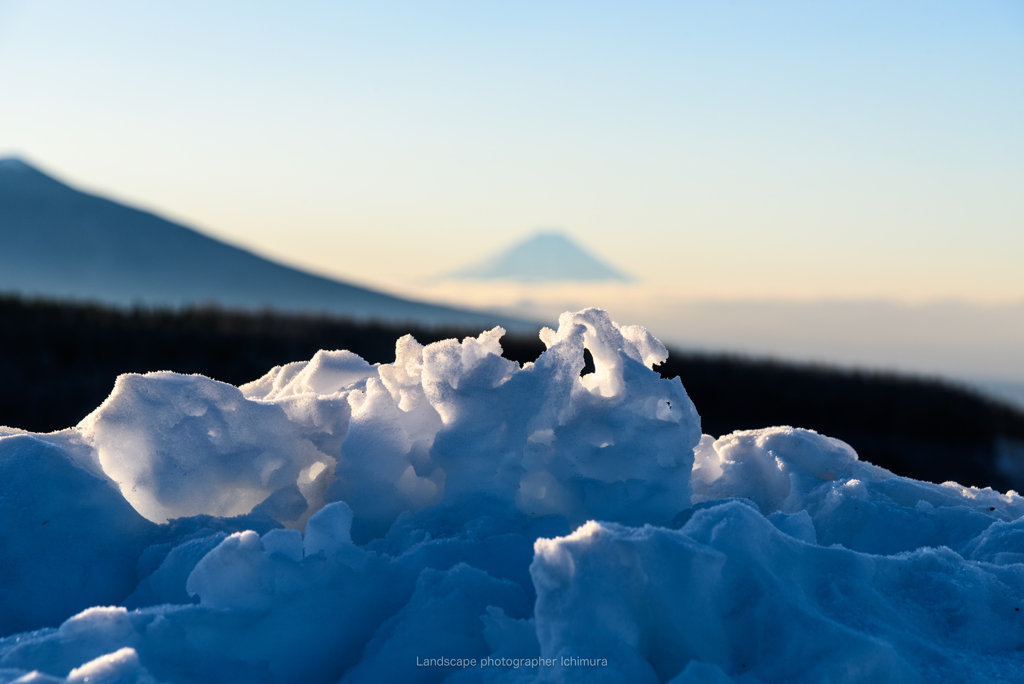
{"points": [[454, 516]]}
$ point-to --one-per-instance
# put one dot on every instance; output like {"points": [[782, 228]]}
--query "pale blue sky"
{"points": [[718, 150]]}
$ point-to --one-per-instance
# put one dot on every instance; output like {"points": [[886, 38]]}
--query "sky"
{"points": [[725, 152]]}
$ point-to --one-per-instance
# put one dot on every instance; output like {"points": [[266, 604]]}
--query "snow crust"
{"points": [[453, 516]]}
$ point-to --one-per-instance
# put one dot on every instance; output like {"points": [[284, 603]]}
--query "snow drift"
{"points": [[454, 516]]}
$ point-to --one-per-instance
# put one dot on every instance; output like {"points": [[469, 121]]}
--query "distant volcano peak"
{"points": [[547, 256]]}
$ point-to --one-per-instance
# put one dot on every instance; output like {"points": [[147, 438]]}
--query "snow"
{"points": [[456, 516]]}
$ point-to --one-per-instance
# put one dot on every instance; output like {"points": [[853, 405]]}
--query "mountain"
{"points": [[58, 242], [1010, 393], [545, 257]]}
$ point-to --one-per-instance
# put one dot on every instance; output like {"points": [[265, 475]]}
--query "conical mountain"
{"points": [[545, 257], [58, 242]]}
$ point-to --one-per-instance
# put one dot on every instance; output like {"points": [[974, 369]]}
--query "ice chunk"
{"points": [[330, 532], [455, 420], [232, 574], [68, 540], [732, 590], [120, 667], [797, 525], [187, 445], [328, 372], [167, 583], [849, 502]]}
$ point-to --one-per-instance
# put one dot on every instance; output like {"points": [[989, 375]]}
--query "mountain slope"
{"points": [[546, 257], [58, 242]]}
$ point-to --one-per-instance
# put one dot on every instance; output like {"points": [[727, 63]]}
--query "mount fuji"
{"points": [[545, 257]]}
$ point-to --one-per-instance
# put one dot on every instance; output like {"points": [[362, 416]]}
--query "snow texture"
{"points": [[456, 517]]}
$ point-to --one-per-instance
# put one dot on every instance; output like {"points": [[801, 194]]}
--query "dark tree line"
{"points": [[58, 362]]}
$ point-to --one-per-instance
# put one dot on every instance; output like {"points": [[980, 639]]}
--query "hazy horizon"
{"points": [[745, 163], [961, 341]]}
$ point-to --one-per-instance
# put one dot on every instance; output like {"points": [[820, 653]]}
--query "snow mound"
{"points": [[456, 516]]}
